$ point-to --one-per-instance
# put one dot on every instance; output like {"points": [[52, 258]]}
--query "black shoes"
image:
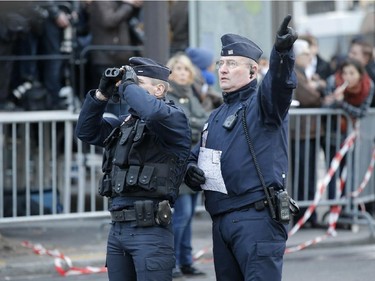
{"points": [[189, 270]]}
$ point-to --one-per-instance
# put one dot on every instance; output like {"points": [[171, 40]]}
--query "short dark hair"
{"points": [[367, 48]]}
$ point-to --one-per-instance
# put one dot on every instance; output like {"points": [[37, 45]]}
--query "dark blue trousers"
{"points": [[248, 245], [140, 253]]}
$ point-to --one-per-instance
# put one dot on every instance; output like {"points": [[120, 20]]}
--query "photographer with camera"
{"points": [[241, 161], [144, 162]]}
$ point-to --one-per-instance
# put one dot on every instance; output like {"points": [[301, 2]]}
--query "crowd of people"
{"points": [[349, 86], [41, 42], [54, 32]]}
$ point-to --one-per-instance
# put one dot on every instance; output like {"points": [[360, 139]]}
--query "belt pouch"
{"points": [[259, 205], [132, 176], [145, 178], [144, 213], [139, 133], [120, 181], [122, 150]]}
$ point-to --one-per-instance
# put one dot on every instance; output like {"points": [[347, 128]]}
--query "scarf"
{"points": [[181, 91]]}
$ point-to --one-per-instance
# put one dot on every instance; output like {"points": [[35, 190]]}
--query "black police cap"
{"points": [[149, 68], [236, 45]]}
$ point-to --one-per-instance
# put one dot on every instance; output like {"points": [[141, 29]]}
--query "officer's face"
{"points": [[234, 73], [152, 86], [146, 83]]}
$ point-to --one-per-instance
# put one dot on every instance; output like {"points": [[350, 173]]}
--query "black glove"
{"points": [[194, 177], [129, 77], [107, 86], [286, 36]]}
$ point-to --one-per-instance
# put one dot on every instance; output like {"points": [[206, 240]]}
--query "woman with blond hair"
{"points": [[181, 92]]}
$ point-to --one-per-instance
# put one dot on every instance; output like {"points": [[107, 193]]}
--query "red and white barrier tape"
{"points": [[63, 264], [199, 255], [332, 220], [366, 177], [335, 163], [335, 210], [65, 268]]}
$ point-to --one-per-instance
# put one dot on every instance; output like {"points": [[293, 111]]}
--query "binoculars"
{"points": [[114, 73]]}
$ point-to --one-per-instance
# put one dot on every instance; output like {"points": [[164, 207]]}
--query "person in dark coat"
{"points": [[179, 25], [144, 162], [303, 132], [249, 239], [362, 51], [109, 23]]}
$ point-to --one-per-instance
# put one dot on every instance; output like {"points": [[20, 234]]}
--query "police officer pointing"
{"points": [[144, 161], [245, 147]]}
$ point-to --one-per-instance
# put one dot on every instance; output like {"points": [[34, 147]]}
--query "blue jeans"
{"points": [[184, 210]]}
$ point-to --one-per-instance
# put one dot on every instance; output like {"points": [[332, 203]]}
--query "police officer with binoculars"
{"points": [[144, 162]]}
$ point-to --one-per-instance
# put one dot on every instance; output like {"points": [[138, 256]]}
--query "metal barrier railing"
{"points": [[39, 154], [36, 151], [47, 173], [315, 135]]}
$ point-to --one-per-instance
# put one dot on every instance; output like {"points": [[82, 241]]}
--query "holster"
{"points": [[283, 205], [163, 214]]}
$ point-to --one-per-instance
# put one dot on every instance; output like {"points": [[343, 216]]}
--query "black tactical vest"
{"points": [[136, 165]]}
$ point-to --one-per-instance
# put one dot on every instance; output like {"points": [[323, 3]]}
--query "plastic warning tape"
{"points": [[65, 268], [199, 255], [63, 264], [40, 250], [335, 163], [332, 221], [367, 176], [336, 210]]}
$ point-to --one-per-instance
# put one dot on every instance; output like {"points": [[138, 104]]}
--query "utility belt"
{"points": [[258, 205], [145, 213]]}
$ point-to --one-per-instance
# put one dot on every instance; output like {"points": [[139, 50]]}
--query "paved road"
{"points": [[347, 257]]}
